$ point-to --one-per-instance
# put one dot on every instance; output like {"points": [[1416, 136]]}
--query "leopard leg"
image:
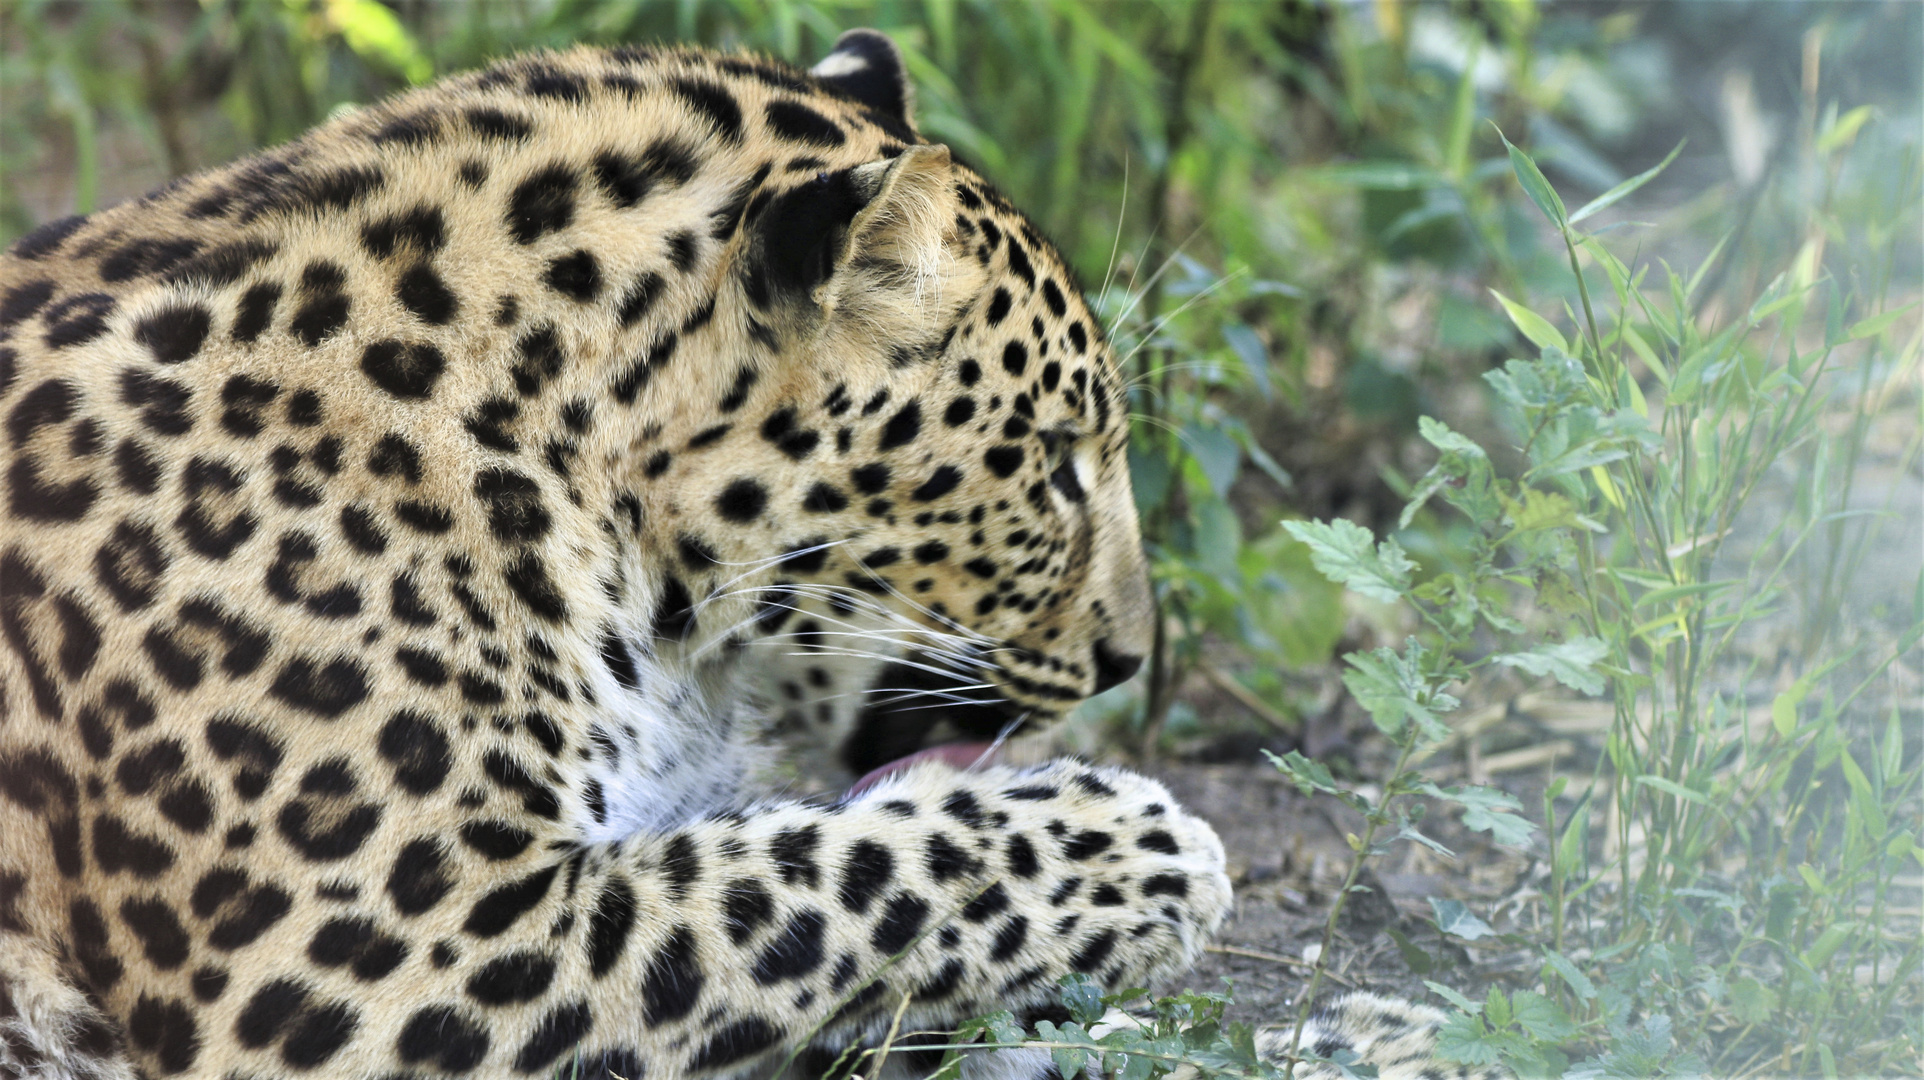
{"points": [[1397, 1037], [749, 937], [721, 947]]}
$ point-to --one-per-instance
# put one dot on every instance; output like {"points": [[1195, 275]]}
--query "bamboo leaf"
{"points": [[1533, 326], [1671, 787], [1617, 194], [1534, 185], [1877, 324]]}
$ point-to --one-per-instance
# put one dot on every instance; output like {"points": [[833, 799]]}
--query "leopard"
{"points": [[410, 531]]}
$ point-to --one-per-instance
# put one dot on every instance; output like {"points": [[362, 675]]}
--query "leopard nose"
{"points": [[1112, 667]]}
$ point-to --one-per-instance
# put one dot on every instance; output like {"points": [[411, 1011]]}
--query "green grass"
{"points": [[1672, 489]]}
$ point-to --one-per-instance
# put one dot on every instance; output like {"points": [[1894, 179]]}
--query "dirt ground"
{"points": [[1287, 857]]}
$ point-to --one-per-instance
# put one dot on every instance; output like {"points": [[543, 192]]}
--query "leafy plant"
{"points": [[1616, 530]]}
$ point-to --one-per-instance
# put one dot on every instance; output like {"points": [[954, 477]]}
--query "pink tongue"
{"points": [[958, 755]]}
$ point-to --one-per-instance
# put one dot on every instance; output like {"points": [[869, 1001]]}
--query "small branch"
{"points": [[1232, 950], [1249, 700], [888, 1041]]}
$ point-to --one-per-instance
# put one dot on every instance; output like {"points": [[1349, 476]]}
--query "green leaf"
{"points": [[1456, 154], [1496, 1009], [1486, 809], [1454, 998], [1216, 452], [1342, 550], [1415, 835], [1462, 462], [1464, 1039], [1453, 918], [1752, 1001], [1783, 708], [1438, 434], [1678, 592], [1863, 797], [1419, 962], [1891, 756], [1828, 943], [1531, 325], [1567, 971], [1570, 847], [1082, 997], [1541, 1017], [1395, 689], [1309, 775], [375, 32], [1877, 324], [1249, 349], [1534, 185], [1673, 788], [1842, 130], [1539, 510], [1617, 194], [1571, 663]]}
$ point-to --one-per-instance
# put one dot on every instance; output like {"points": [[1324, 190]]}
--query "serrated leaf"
{"points": [[1395, 689], [1307, 774], [1454, 918], [1344, 552], [1553, 379], [1570, 662], [1465, 1040], [1539, 510], [1438, 434], [1463, 464], [1068, 1059], [1412, 834], [1496, 1010], [1541, 1017], [1487, 809]]}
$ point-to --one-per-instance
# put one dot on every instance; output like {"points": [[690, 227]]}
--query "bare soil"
{"points": [[1287, 857]]}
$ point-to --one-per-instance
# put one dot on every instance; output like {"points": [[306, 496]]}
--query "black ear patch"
{"points": [[866, 66], [800, 234]]}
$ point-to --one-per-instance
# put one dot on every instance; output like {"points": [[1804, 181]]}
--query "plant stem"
{"points": [[1373, 821]]}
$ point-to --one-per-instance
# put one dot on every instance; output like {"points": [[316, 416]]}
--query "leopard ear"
{"points": [[866, 65], [901, 227], [886, 213]]}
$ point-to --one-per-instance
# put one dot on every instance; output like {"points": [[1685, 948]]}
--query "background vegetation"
{"points": [[1687, 487]]}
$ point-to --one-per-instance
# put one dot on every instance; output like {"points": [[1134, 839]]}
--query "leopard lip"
{"points": [[959, 755]]}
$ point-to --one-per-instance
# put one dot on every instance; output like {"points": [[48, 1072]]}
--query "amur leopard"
{"points": [[406, 529]]}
